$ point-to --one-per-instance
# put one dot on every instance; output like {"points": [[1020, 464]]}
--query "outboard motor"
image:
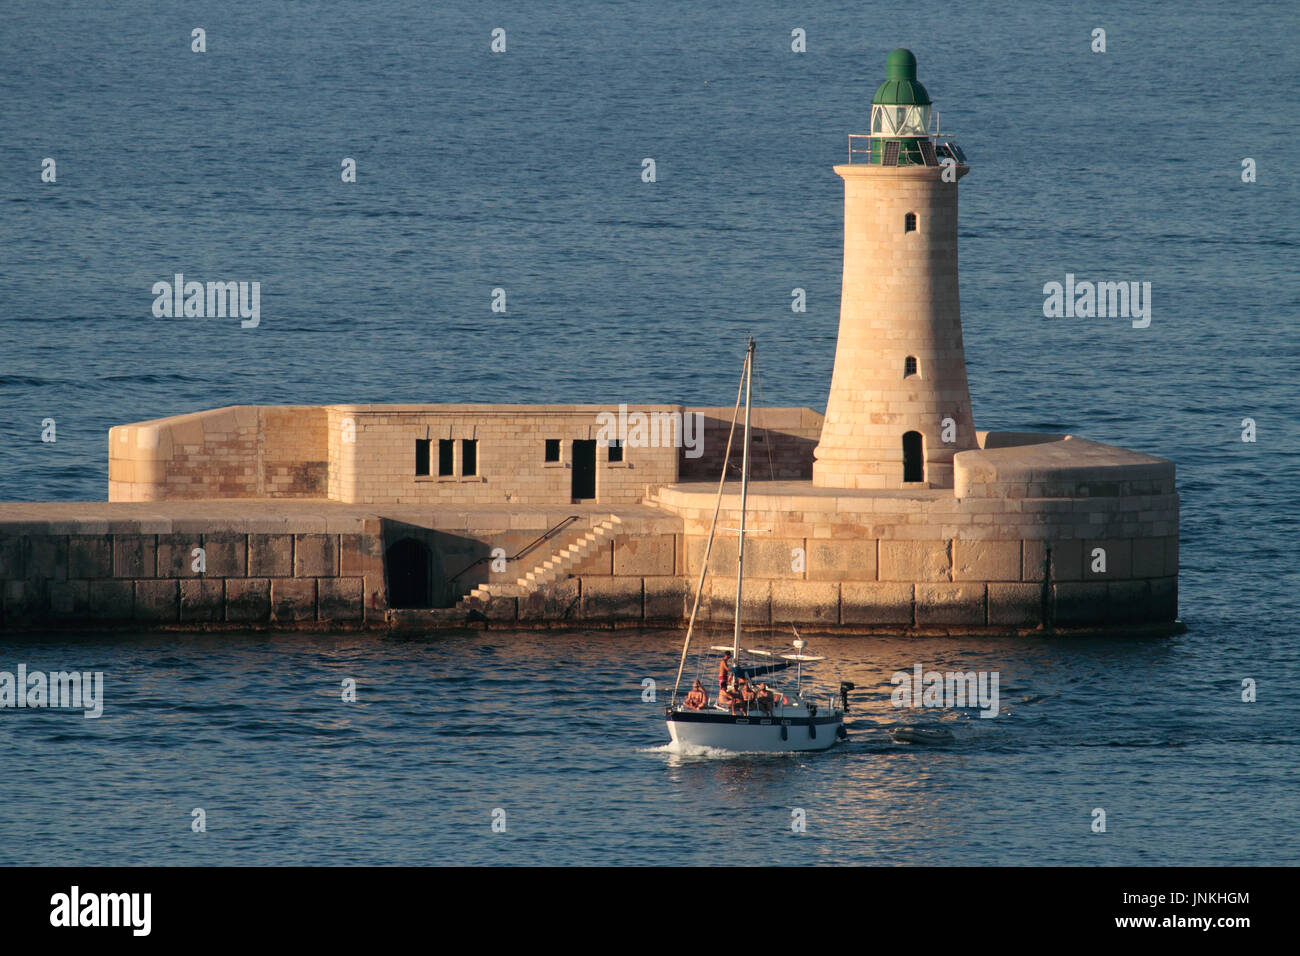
{"points": [[845, 687]]}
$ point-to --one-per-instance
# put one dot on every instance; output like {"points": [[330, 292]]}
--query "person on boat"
{"points": [[724, 671], [746, 692], [730, 698], [765, 699], [696, 699]]}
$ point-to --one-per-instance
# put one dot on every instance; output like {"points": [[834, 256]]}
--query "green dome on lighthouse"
{"points": [[901, 86], [900, 116]]}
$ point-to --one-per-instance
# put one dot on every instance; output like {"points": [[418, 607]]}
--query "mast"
{"points": [[713, 528], [744, 494]]}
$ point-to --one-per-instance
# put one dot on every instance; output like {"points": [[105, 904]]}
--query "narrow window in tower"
{"points": [[468, 457], [909, 222], [615, 450], [422, 456], [552, 449], [913, 463], [446, 451], [909, 366]]}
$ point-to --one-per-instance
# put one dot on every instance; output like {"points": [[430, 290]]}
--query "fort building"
{"points": [[890, 513]]}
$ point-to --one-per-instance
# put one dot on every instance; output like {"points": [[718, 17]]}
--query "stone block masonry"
{"points": [[1042, 532], [912, 562], [245, 451], [442, 455], [204, 569], [224, 594]]}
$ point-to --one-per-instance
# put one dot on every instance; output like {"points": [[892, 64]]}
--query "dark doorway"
{"points": [[407, 564], [913, 462], [584, 469]]}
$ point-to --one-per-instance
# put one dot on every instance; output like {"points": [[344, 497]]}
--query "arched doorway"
{"points": [[913, 457], [407, 566]]}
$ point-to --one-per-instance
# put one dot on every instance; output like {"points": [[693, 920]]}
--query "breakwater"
{"points": [[305, 565]]}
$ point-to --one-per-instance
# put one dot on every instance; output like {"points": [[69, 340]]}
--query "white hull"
{"points": [[755, 734]]}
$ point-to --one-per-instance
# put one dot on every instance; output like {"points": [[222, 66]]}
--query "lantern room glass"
{"points": [[894, 120]]}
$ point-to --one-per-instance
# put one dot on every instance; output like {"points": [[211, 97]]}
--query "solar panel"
{"points": [[927, 153], [961, 157], [890, 158]]}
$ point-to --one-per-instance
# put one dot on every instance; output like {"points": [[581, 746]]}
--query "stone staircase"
{"points": [[548, 571]]}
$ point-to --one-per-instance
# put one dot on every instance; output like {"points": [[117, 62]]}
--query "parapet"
{"points": [[1026, 465], [242, 451]]}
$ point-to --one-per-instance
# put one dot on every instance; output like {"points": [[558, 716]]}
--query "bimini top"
{"points": [[901, 86]]}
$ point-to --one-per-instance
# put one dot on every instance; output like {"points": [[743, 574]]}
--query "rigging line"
{"points": [[708, 548], [767, 432]]}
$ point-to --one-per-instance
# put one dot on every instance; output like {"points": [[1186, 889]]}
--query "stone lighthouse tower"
{"points": [[899, 406]]}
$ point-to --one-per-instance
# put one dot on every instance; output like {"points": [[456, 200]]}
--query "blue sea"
{"points": [[522, 171]]}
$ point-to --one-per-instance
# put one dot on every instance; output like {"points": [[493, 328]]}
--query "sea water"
{"points": [[522, 171]]}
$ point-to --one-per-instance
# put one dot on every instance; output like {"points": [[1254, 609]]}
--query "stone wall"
{"points": [[328, 570], [378, 466], [1058, 531], [1061, 467], [462, 548], [365, 454], [648, 576], [50, 579], [781, 443], [245, 451], [887, 585], [632, 579], [879, 585], [1039, 530]]}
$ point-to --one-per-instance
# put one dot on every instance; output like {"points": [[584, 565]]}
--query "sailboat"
{"points": [[787, 721]]}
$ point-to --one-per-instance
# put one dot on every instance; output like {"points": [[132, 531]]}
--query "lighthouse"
{"points": [[899, 406]]}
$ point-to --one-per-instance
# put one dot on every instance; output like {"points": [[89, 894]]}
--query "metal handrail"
{"points": [[855, 139], [545, 537], [859, 152]]}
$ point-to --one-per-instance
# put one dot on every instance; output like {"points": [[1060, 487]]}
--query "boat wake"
{"points": [[675, 749], [689, 750], [923, 735]]}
